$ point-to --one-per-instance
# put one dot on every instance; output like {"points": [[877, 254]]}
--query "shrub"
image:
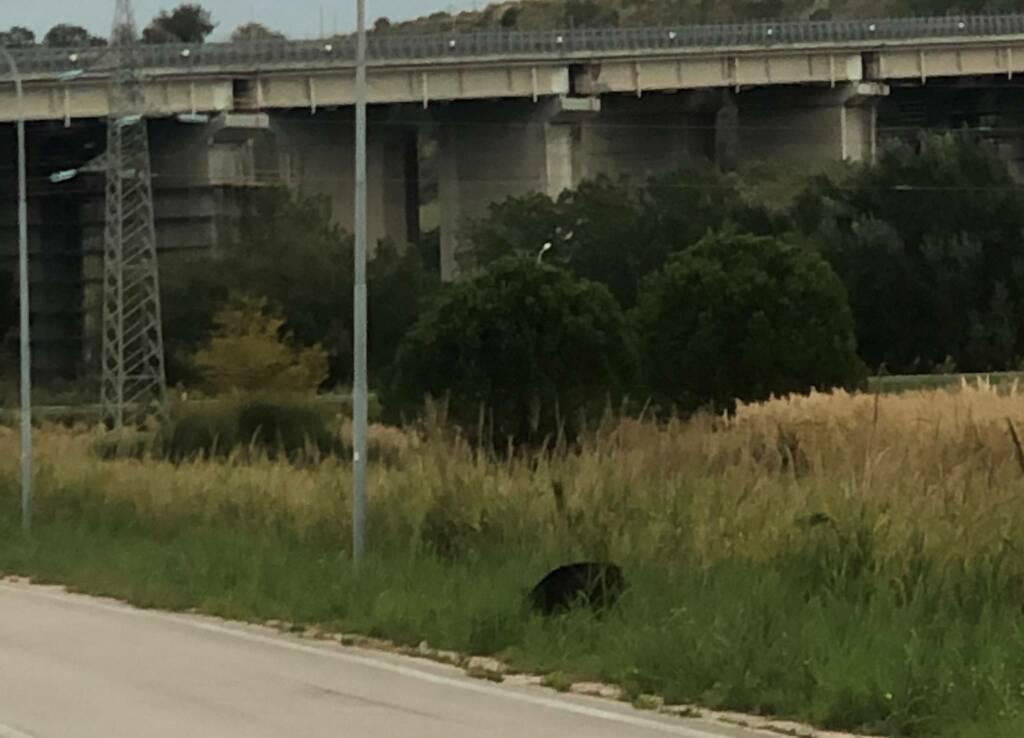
{"points": [[247, 353], [285, 428], [274, 427], [529, 343], [744, 317], [125, 443], [203, 431]]}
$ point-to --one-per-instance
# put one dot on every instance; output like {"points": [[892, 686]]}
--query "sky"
{"points": [[296, 18]]}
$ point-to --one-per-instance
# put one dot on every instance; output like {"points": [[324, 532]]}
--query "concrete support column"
{"points": [[492, 151], [807, 125], [55, 251], [489, 152], [316, 157]]}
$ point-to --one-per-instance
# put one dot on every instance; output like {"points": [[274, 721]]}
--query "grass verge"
{"points": [[750, 638], [850, 562]]}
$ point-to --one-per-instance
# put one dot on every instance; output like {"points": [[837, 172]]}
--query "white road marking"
{"points": [[355, 659]]}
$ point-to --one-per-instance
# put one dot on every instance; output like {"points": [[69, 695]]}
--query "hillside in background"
{"points": [[528, 15]]}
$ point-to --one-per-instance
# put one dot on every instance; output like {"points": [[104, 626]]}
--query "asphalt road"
{"points": [[76, 667]]}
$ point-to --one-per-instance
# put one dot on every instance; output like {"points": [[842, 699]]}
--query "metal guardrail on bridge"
{"points": [[391, 46]]}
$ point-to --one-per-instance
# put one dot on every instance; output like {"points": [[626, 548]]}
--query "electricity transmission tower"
{"points": [[133, 379]]}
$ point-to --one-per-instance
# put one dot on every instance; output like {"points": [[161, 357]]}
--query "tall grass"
{"points": [[851, 560]]}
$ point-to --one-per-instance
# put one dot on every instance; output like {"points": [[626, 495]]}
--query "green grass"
{"points": [[822, 630], [916, 382]]}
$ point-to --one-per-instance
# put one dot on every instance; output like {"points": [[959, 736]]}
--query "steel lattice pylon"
{"points": [[134, 383]]}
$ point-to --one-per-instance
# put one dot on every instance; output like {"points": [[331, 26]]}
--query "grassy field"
{"points": [[916, 382], [852, 561]]}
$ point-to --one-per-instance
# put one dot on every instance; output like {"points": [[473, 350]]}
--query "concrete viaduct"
{"points": [[506, 113]]}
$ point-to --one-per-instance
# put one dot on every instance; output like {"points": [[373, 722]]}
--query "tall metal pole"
{"points": [[23, 299], [360, 388]]}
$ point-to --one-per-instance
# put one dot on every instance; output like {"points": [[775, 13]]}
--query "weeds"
{"points": [[848, 560]]}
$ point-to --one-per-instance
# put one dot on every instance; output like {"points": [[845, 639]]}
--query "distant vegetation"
{"points": [[541, 14], [188, 23]]}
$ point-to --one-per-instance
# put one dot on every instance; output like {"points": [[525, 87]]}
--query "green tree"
{"points": [[17, 37], [64, 35], [616, 232], [930, 244], [529, 344], [741, 317], [509, 18], [249, 352], [255, 32], [188, 23], [289, 251]]}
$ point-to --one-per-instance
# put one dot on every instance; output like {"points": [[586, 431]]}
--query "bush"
{"points": [[249, 353], [929, 244], [204, 431], [744, 317], [529, 343], [290, 429], [272, 427]]}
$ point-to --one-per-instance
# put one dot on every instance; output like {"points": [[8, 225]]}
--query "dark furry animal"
{"points": [[596, 585]]}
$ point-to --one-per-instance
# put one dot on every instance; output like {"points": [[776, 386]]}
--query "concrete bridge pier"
{"points": [[807, 125], [54, 242], [492, 151], [316, 156]]}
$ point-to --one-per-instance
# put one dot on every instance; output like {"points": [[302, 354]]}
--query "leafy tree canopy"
{"points": [[529, 345], [17, 37], [188, 23], [250, 353], [616, 232], [744, 317], [289, 251], [255, 32], [930, 244], [64, 35]]}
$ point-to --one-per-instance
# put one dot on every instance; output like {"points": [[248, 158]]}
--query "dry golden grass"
{"points": [[939, 463]]}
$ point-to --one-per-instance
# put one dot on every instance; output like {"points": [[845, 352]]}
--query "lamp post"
{"points": [[23, 301], [360, 387]]}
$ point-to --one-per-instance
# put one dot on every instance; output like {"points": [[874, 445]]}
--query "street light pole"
{"points": [[23, 299], [360, 388]]}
